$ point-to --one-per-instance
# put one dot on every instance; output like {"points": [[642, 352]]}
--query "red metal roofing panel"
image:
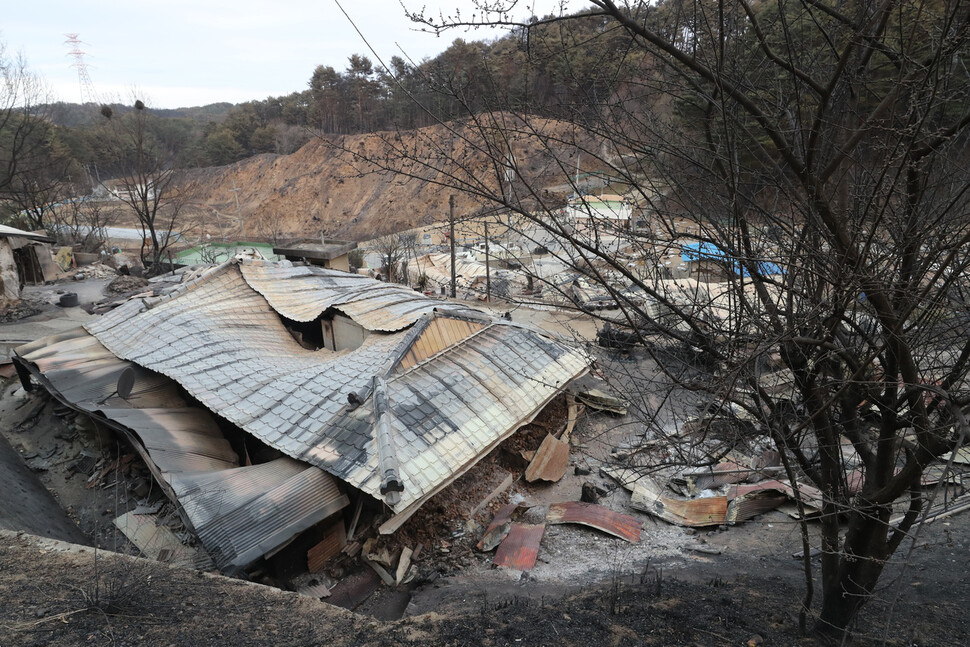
{"points": [[596, 516], [520, 549]]}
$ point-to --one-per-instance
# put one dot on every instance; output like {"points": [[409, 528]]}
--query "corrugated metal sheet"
{"points": [[520, 549], [596, 516], [723, 473], [301, 293], [178, 440], [746, 506], [86, 373], [240, 514], [707, 511], [550, 461], [224, 344]]}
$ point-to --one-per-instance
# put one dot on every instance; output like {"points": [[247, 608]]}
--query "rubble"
{"points": [[220, 488], [159, 543], [602, 401], [728, 489], [125, 284]]}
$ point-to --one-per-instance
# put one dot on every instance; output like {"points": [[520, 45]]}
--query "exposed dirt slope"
{"points": [[51, 594], [332, 185]]}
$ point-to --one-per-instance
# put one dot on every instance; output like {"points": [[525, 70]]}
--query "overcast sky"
{"points": [[179, 53]]}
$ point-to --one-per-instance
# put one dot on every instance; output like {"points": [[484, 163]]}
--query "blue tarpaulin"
{"points": [[709, 251]]}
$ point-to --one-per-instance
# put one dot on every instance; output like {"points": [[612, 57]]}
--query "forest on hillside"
{"points": [[563, 70]]}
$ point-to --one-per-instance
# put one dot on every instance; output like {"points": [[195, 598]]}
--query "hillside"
{"points": [[329, 186]]}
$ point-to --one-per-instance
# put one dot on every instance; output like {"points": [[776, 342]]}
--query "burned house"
{"points": [[264, 397], [25, 259]]}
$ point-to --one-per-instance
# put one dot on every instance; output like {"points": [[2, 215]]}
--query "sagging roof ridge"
{"points": [[183, 288], [355, 302]]}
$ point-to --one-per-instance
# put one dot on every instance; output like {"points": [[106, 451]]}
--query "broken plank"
{"points": [[380, 570], [403, 564], [356, 518], [497, 490], [327, 548], [572, 415]]}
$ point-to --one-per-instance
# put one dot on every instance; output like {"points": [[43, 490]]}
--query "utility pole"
{"points": [[488, 273], [451, 238], [235, 195]]}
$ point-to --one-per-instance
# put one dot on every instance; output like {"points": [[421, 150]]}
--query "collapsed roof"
{"points": [[404, 394]]}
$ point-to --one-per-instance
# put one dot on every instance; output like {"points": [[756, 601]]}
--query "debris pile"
{"points": [[516, 530], [387, 398], [125, 284]]}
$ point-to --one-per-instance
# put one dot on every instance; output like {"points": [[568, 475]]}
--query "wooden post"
{"points": [[451, 225]]}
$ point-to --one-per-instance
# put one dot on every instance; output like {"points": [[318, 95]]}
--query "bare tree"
{"points": [[812, 159], [82, 223], [391, 251], [35, 168], [148, 184], [270, 226]]}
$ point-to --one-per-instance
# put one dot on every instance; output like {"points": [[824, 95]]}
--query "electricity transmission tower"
{"points": [[88, 94]]}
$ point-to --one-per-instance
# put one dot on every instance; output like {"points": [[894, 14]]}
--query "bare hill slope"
{"points": [[336, 185]]}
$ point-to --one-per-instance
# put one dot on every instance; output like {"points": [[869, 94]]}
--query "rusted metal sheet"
{"points": [[707, 511], [520, 548], [498, 528], [811, 496], [753, 502], [596, 516], [739, 503], [550, 461], [353, 590]]}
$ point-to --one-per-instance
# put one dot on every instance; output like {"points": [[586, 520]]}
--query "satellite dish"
{"points": [[126, 381]]}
